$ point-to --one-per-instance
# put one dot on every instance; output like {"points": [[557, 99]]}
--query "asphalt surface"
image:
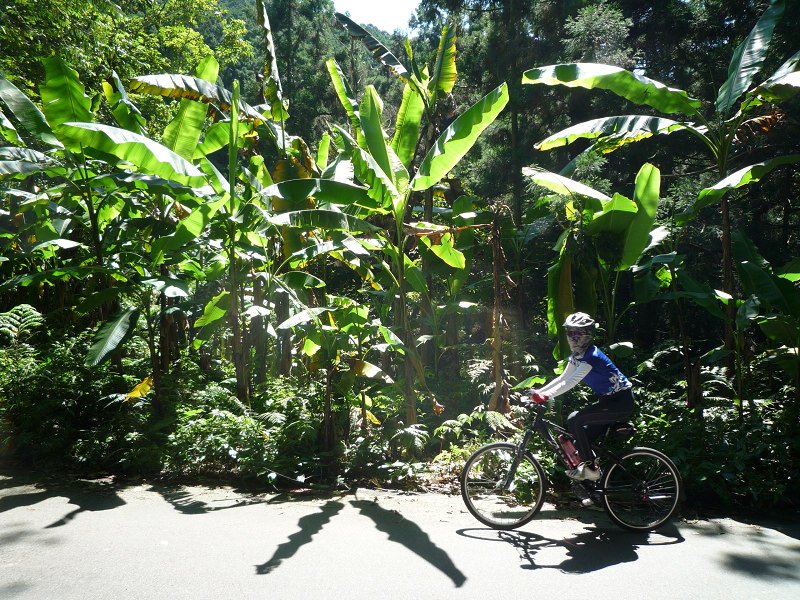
{"points": [[95, 539]]}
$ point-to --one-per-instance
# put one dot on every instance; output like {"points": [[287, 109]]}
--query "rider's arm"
{"points": [[573, 374]]}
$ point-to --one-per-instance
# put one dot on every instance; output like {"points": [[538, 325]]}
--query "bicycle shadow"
{"points": [[594, 549]]}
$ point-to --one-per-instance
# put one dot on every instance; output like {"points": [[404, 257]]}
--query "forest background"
{"points": [[257, 241]]}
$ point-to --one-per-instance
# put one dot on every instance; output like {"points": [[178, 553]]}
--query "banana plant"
{"points": [[336, 339], [387, 166], [620, 231], [387, 190], [739, 104]]}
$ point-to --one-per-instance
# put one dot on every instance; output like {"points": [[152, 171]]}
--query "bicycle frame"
{"points": [[549, 431]]}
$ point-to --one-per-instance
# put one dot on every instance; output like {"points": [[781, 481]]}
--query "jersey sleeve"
{"points": [[573, 374]]}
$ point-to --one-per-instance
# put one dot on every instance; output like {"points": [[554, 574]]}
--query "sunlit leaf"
{"points": [[141, 389], [443, 77], [183, 132], [149, 156], [625, 129], [646, 196], [633, 87], [26, 113], [111, 336], [748, 57], [455, 141], [742, 177], [562, 185], [366, 369], [64, 98]]}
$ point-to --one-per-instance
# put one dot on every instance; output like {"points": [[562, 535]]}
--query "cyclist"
{"points": [[588, 364]]}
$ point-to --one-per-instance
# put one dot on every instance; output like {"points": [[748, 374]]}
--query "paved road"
{"points": [[92, 539]]}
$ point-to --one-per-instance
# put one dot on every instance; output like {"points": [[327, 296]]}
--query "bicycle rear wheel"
{"points": [[496, 496], [642, 490]]}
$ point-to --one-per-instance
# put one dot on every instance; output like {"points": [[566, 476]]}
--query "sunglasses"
{"points": [[576, 334]]}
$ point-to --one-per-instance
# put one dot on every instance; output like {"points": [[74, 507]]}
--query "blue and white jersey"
{"points": [[593, 368]]}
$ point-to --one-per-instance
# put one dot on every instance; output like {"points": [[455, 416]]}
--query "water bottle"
{"points": [[569, 450]]}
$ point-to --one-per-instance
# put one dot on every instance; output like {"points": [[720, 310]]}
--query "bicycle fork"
{"points": [[517, 459]]}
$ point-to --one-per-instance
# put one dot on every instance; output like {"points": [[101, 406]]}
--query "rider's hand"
{"points": [[538, 398]]}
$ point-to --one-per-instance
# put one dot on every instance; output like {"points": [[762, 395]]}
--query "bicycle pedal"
{"points": [[586, 502]]}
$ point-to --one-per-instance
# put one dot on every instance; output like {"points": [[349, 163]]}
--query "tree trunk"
{"points": [[237, 336], [499, 400], [729, 287], [258, 334]]}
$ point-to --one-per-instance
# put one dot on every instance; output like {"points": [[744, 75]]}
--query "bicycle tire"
{"points": [[482, 481], [642, 490]]}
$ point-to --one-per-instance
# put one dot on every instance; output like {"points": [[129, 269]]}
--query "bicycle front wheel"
{"points": [[496, 493], [641, 491]]}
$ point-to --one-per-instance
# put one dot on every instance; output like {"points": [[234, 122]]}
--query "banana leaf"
{"points": [[646, 196], [169, 286], [192, 88], [213, 318], [323, 150], [217, 136], [443, 78], [19, 169], [125, 112], [323, 219], [346, 97], [273, 91], [23, 161], [7, 129], [369, 117], [445, 249], [64, 98], [366, 369], [562, 185], [615, 217], [458, 138], [749, 57], [636, 88], [183, 132], [296, 191], [26, 113], [111, 336], [625, 129], [378, 50], [149, 156], [784, 83], [407, 125], [742, 177]]}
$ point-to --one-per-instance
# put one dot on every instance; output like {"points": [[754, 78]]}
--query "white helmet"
{"points": [[579, 320]]}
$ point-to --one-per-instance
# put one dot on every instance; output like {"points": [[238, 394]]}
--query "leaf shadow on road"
{"points": [[188, 502], [86, 495], [772, 562], [409, 534], [309, 525], [591, 550]]}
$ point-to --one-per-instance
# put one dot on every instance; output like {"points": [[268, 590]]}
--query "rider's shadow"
{"points": [[592, 550]]}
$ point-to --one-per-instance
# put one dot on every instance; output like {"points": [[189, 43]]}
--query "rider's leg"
{"points": [[586, 424]]}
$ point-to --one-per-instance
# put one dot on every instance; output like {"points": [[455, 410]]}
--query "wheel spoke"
{"points": [[489, 499], [642, 490]]}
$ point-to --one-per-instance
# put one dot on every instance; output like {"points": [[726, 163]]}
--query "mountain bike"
{"points": [[503, 484]]}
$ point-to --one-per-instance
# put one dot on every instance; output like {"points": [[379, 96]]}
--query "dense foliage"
{"points": [[259, 239]]}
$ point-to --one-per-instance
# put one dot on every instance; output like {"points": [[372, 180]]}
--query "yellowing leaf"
{"points": [[141, 389], [372, 418]]}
